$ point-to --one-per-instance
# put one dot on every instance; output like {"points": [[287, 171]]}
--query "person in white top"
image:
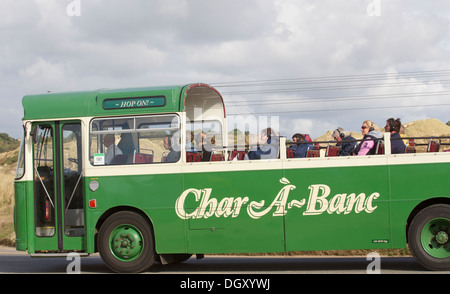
{"points": [[113, 150]]}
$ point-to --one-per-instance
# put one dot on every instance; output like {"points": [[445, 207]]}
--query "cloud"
{"points": [[43, 73], [120, 60], [152, 42]]}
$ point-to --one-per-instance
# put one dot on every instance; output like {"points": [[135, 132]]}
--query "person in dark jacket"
{"points": [[347, 143], [268, 146], [300, 149], [393, 127], [173, 155]]}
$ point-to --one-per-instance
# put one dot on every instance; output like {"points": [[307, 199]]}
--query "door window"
{"points": [[72, 180], [44, 183]]}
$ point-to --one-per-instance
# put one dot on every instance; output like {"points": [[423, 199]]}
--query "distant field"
{"points": [[7, 204]]}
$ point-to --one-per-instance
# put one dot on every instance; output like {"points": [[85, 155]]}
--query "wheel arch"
{"points": [[113, 210], [421, 206]]}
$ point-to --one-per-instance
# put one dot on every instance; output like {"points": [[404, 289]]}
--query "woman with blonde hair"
{"points": [[371, 135]]}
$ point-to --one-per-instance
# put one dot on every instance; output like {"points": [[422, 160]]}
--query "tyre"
{"points": [[428, 237], [125, 243]]}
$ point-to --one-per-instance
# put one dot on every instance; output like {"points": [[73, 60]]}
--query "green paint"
{"points": [[226, 207]]}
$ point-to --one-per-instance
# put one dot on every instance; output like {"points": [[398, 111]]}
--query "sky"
{"points": [[312, 66]]}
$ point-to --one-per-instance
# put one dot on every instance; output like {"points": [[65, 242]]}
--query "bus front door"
{"points": [[58, 187]]}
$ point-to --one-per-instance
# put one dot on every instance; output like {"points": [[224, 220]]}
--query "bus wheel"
{"points": [[428, 237], [125, 243]]}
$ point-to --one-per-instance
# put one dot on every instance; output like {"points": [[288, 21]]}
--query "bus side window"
{"points": [[204, 141], [131, 140]]}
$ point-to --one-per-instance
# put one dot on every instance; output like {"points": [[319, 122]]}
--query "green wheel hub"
{"points": [[126, 242], [434, 237]]}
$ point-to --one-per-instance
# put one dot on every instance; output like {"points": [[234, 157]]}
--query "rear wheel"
{"points": [[428, 237], [126, 243]]}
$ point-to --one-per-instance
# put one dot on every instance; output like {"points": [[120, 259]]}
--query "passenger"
{"points": [[190, 142], [393, 127], [267, 148], [206, 144], [347, 143], [294, 141], [300, 145], [112, 150], [173, 155], [368, 144], [200, 139], [126, 144]]}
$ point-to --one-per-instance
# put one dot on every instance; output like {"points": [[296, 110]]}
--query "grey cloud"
{"points": [[149, 42]]}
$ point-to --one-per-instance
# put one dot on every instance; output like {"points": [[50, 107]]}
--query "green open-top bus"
{"points": [[116, 172]]}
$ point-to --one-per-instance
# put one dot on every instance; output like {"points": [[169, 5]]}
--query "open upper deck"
{"points": [[106, 102]]}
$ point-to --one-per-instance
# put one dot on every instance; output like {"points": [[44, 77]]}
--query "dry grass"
{"points": [[355, 252], [7, 205], [6, 190]]}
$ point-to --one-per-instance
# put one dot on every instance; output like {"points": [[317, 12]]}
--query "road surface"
{"points": [[13, 262]]}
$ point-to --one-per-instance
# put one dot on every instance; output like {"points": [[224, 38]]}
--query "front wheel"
{"points": [[126, 243], [428, 237]]}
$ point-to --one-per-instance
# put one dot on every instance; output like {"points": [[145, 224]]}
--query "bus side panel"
{"points": [[411, 185], [343, 208], [235, 211], [153, 194], [241, 235], [20, 215], [170, 231]]}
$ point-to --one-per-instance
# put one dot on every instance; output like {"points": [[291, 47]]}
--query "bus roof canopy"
{"points": [[131, 101]]}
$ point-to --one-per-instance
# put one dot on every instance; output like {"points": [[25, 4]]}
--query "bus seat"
{"points": [[410, 146], [313, 151], [239, 154], [217, 157], [143, 157], [290, 153], [380, 148], [193, 157], [332, 151], [433, 146]]}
